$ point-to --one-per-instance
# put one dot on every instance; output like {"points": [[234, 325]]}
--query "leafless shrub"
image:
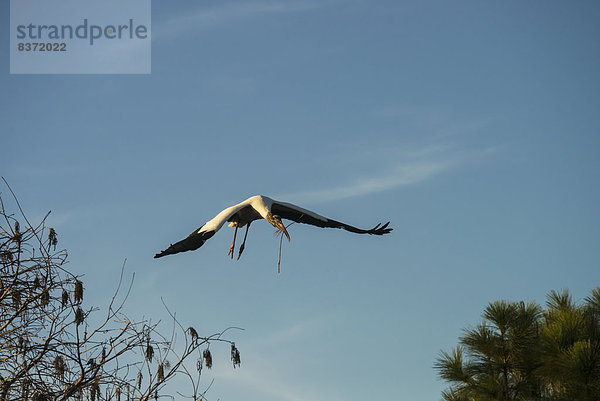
{"points": [[49, 350]]}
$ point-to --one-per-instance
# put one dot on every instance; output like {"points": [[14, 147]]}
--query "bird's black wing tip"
{"points": [[190, 243], [161, 254], [377, 230], [168, 251]]}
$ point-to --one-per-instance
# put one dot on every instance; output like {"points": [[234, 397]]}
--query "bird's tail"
{"points": [[193, 241]]}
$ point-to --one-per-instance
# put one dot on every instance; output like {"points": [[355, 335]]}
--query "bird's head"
{"points": [[277, 223]]}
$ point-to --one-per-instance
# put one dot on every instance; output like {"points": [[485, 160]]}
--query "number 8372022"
{"points": [[41, 47]]}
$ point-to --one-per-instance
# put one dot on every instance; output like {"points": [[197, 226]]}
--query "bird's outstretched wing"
{"points": [[193, 241], [196, 239], [300, 215]]}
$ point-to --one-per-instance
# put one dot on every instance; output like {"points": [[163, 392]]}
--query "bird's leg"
{"points": [[243, 242], [233, 243]]}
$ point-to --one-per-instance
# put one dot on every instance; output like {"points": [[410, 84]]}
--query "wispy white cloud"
{"points": [[398, 175], [229, 12], [399, 165]]}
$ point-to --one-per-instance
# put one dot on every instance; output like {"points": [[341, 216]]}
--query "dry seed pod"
{"points": [[17, 236], [207, 358], [52, 240], [78, 316], [149, 352], [59, 366], [160, 374], [45, 297], [235, 355], [78, 293], [65, 298], [193, 333]]}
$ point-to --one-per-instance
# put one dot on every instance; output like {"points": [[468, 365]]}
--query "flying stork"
{"points": [[260, 207]]}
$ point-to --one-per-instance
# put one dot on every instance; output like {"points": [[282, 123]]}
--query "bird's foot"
{"points": [[240, 251], [230, 253]]}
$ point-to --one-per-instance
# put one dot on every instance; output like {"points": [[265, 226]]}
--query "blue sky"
{"points": [[473, 126]]}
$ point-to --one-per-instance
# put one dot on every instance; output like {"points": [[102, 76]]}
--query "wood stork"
{"points": [[261, 207]]}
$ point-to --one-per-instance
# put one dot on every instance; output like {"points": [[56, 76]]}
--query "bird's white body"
{"points": [[261, 204]]}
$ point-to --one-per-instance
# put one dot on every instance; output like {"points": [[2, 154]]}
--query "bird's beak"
{"points": [[283, 230]]}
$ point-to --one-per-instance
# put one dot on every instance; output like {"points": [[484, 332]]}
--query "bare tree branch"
{"points": [[51, 350]]}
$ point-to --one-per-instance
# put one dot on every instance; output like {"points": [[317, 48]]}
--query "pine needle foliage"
{"points": [[522, 352]]}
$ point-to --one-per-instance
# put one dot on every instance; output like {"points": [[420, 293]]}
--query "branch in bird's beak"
{"points": [[281, 227]]}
